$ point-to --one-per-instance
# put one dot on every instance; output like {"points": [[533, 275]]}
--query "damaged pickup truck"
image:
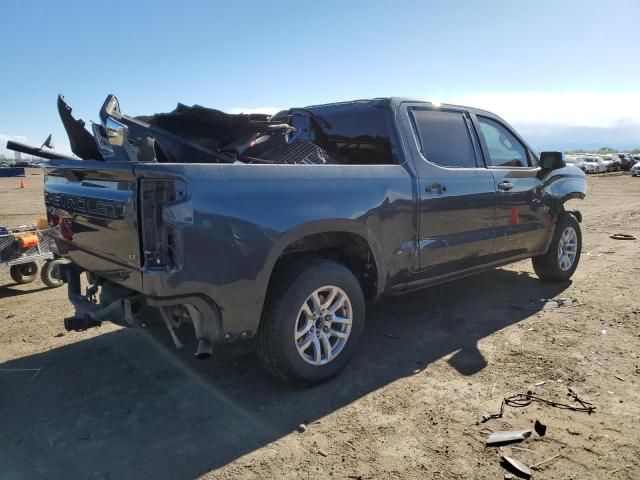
{"points": [[281, 227]]}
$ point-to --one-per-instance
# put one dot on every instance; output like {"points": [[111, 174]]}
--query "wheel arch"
{"points": [[344, 241]]}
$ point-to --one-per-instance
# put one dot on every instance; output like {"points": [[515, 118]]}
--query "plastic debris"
{"points": [[540, 428], [506, 437], [518, 466]]}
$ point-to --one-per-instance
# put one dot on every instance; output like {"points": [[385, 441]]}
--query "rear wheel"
{"points": [[50, 273], [24, 273], [312, 322], [563, 256]]}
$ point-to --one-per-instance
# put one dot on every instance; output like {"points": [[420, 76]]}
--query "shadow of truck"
{"points": [[124, 404]]}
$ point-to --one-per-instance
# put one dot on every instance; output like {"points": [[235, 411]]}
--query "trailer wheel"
{"points": [[50, 273], [24, 273]]}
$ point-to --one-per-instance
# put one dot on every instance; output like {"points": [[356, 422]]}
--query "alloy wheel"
{"points": [[567, 248], [323, 325]]}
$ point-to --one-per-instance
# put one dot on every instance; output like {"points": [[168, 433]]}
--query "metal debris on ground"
{"points": [[547, 304], [540, 428], [524, 449], [520, 400], [622, 236], [502, 438], [517, 465], [621, 468], [537, 465]]}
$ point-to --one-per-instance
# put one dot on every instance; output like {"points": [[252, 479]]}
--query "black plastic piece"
{"points": [[81, 141]]}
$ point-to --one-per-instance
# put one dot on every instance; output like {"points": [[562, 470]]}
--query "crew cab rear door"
{"points": [[457, 192], [521, 220]]}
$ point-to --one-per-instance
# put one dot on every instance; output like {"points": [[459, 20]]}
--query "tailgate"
{"points": [[93, 207]]}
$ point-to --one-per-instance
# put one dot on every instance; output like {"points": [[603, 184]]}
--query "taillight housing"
{"points": [[161, 246]]}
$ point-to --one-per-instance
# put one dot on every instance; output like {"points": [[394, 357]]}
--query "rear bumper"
{"points": [[238, 299], [123, 306]]}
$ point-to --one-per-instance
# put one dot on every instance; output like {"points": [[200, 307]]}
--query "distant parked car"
{"points": [[575, 161], [594, 165], [635, 170], [626, 161], [610, 163]]}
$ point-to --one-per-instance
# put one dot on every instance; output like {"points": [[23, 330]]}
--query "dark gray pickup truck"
{"points": [[281, 227]]}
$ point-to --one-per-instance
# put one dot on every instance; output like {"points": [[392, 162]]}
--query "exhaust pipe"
{"points": [[80, 324], [204, 350]]}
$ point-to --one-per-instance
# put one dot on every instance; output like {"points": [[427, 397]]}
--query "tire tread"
{"points": [[285, 279]]}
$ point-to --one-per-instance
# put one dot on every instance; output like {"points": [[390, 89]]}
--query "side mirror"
{"points": [[552, 160]]}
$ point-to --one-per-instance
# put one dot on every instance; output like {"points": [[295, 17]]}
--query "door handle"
{"points": [[505, 186], [437, 188]]}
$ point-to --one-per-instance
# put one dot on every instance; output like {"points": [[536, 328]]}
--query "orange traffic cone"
{"points": [[21, 183]]}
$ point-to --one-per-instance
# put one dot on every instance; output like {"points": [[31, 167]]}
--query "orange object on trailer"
{"points": [[27, 240]]}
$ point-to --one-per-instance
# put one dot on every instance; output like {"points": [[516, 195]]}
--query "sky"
{"points": [[565, 73]]}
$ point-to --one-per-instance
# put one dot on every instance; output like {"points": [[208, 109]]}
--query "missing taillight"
{"points": [[160, 240]]}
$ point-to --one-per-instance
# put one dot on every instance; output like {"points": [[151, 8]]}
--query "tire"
{"points": [[50, 273], [285, 318], [24, 272], [555, 266]]}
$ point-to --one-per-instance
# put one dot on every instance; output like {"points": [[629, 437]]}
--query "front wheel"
{"points": [[312, 322], [559, 263], [24, 272]]}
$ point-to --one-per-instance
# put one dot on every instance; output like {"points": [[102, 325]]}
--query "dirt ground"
{"points": [[112, 403]]}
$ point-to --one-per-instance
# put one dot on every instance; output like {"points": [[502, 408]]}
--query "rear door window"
{"points": [[444, 137], [505, 150]]}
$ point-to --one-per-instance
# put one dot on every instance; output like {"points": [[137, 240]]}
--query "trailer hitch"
{"points": [[89, 314]]}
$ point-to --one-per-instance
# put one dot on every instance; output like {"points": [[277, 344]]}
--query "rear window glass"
{"points": [[444, 138], [356, 134]]}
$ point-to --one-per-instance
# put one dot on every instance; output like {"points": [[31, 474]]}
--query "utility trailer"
{"points": [[20, 250]]}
